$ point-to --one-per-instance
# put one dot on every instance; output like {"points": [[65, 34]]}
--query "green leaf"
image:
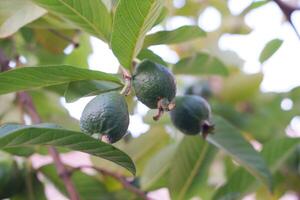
{"points": [[133, 19], [43, 135], [80, 55], [274, 152], [16, 13], [240, 86], [200, 64], [27, 78], [154, 175], [89, 15], [88, 187], [148, 54], [230, 140], [190, 167], [270, 48], [181, 34], [78, 89]]}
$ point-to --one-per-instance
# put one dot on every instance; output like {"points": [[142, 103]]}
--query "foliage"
{"points": [[34, 36]]}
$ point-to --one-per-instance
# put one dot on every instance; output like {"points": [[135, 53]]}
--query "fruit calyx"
{"points": [[127, 79], [163, 104], [207, 128]]}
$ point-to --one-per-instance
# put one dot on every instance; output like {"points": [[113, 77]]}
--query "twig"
{"points": [[4, 62], [64, 37], [27, 104], [288, 11], [127, 185]]}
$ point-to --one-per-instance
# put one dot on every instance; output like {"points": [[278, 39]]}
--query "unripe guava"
{"points": [[107, 115]]}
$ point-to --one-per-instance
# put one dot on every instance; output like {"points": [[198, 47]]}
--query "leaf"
{"points": [[55, 112], [89, 15], [239, 86], [52, 42], [80, 55], [16, 13], [200, 64], [270, 48], [78, 89], [230, 140], [275, 152], [190, 167], [181, 34], [150, 55], [28, 78], [133, 19], [45, 134], [158, 166], [86, 185]]}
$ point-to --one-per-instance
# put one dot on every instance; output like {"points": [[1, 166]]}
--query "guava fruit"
{"points": [[192, 115], [106, 115], [11, 179], [202, 89], [154, 86]]}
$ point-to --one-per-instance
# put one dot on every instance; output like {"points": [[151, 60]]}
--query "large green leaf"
{"points": [[200, 64], [270, 48], [274, 152], [16, 13], [27, 78], [45, 134], [190, 167], [89, 15], [228, 138], [155, 174], [132, 21], [78, 89], [182, 34]]}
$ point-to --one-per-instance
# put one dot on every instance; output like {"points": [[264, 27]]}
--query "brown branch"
{"points": [[127, 185], [4, 62], [27, 104], [288, 10], [64, 37]]}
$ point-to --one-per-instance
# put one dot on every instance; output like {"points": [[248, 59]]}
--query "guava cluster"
{"points": [[107, 114]]}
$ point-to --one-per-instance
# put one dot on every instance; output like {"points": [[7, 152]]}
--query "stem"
{"points": [[127, 79], [127, 185], [288, 11], [64, 37], [27, 104]]}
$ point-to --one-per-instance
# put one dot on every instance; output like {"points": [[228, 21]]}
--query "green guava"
{"points": [[154, 85], [106, 115], [192, 115]]}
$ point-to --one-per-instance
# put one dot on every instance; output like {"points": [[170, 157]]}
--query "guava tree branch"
{"points": [[27, 105], [64, 174], [288, 10], [127, 185]]}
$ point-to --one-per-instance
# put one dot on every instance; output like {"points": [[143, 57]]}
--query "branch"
{"points": [[288, 10], [127, 185], [3, 62], [27, 104]]}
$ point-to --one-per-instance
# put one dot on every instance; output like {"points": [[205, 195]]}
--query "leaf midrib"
{"points": [[139, 32], [84, 19], [194, 172]]}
